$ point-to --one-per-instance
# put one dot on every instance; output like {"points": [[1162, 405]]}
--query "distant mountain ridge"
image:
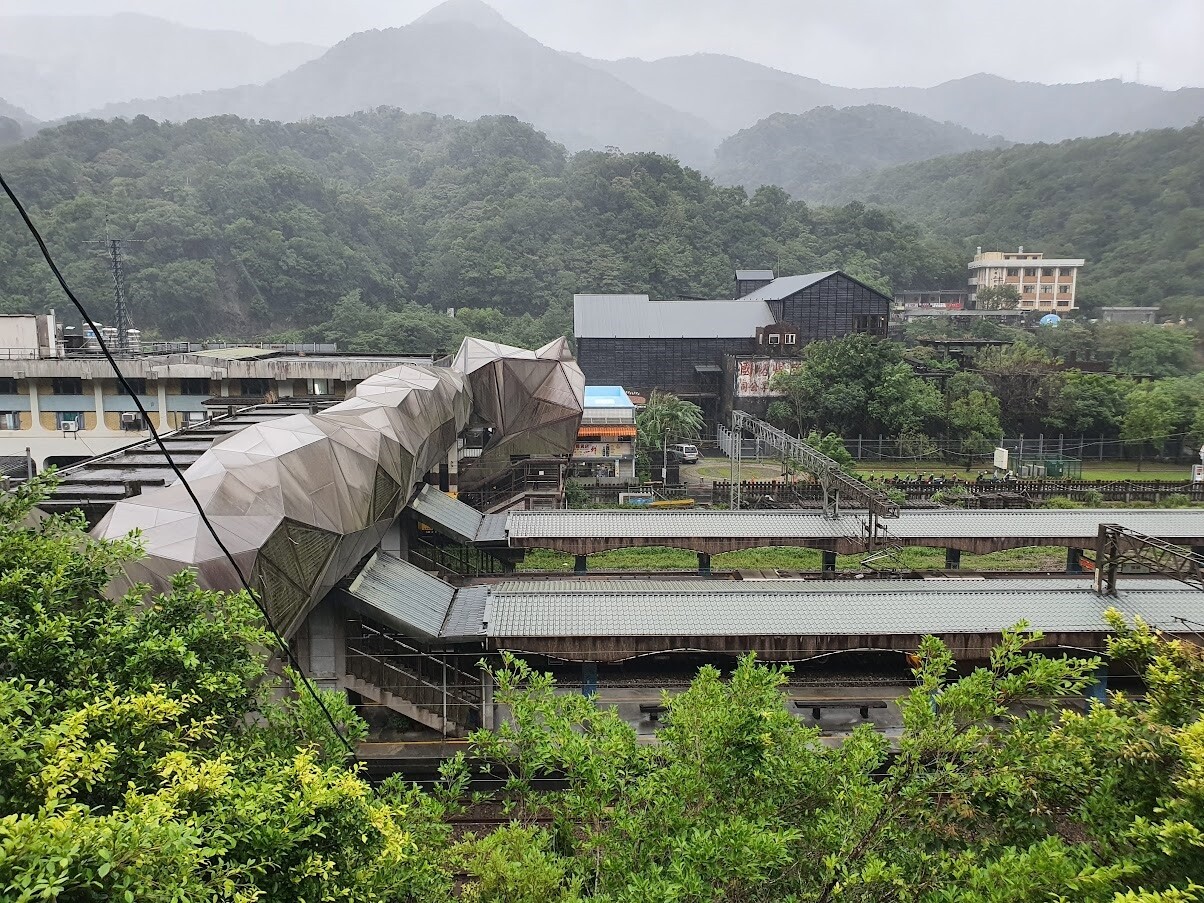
{"points": [[57, 66], [805, 153], [461, 59], [733, 94]]}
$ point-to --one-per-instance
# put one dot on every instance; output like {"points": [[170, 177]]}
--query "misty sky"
{"points": [[855, 43]]}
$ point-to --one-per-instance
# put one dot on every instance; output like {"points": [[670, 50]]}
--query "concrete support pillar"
{"points": [[98, 402], [829, 562], [581, 564], [1074, 561], [589, 678], [35, 409], [488, 719], [704, 564], [953, 559], [162, 386]]}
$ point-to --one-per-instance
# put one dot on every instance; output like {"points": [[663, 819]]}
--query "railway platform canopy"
{"points": [[607, 620], [712, 532]]}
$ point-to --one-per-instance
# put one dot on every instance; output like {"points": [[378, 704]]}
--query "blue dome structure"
{"points": [[1050, 320]]}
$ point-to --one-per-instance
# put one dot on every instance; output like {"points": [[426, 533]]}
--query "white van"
{"points": [[684, 452]]}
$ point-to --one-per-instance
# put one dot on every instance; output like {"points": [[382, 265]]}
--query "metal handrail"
{"points": [[831, 476]]}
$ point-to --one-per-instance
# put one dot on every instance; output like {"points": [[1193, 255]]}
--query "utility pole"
{"points": [[122, 319]]}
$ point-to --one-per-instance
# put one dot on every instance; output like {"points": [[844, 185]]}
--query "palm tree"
{"points": [[666, 414]]}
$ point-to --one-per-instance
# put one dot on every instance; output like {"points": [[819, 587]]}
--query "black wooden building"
{"points": [[679, 346]]}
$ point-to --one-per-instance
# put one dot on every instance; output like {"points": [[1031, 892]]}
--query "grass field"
{"points": [[1041, 558], [720, 469]]}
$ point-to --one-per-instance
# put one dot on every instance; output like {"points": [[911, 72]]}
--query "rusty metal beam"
{"points": [[1117, 546], [833, 481]]}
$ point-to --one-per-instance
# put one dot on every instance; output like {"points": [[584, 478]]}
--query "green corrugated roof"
{"points": [[609, 608]]}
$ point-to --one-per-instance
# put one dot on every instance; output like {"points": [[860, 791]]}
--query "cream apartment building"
{"points": [[1045, 284]]}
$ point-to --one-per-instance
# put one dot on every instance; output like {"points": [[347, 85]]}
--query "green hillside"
{"points": [[365, 229], [806, 153], [1132, 205]]}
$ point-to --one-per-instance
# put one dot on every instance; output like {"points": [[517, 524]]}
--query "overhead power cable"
{"points": [[175, 468]]}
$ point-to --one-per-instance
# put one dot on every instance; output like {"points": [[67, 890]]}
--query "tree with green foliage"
{"points": [[1088, 403], [666, 418], [146, 754], [1150, 418], [364, 229], [856, 385], [998, 297], [1023, 378], [972, 416], [976, 802]]}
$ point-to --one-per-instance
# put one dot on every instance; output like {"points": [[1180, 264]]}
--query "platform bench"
{"points": [[862, 706], [653, 710]]}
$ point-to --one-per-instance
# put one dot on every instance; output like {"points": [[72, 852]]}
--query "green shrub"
{"points": [[1061, 501]]}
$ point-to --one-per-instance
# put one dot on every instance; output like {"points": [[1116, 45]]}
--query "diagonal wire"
{"points": [[128, 389]]}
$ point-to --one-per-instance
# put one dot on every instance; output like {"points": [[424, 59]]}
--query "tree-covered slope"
{"points": [[805, 153], [1132, 205], [378, 222]]}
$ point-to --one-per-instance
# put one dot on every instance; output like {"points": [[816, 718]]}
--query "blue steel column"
{"points": [[589, 678], [704, 564], [1074, 561], [581, 564], [1099, 690]]}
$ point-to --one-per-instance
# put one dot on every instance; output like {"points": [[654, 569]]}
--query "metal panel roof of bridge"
{"points": [[403, 596], [610, 608], [1167, 524], [446, 514]]}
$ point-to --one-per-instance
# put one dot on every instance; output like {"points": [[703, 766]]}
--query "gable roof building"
{"points": [[681, 345]]}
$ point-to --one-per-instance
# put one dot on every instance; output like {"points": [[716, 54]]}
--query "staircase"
{"points": [[385, 669], [536, 484]]}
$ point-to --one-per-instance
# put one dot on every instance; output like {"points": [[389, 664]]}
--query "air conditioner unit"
{"points": [[194, 417], [70, 426], [129, 420]]}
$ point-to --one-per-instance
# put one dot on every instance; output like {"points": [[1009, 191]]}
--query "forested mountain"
{"points": [[465, 60], [56, 66], [732, 94], [805, 153], [1029, 111], [255, 228], [1132, 205]]}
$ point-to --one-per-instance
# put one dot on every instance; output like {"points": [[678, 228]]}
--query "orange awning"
{"points": [[607, 431]]}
